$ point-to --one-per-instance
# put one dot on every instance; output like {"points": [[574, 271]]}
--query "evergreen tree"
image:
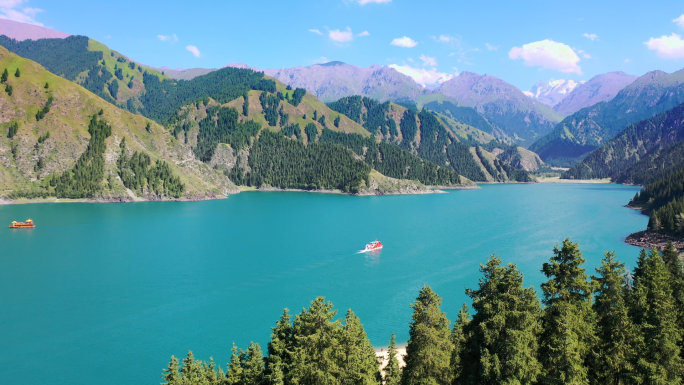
{"points": [[253, 366], [359, 364], [429, 347], [171, 374], [17, 74], [46, 85], [392, 370], [245, 106], [235, 374], [458, 339], [336, 122], [617, 335], [568, 321], [4, 77], [279, 351], [655, 313], [316, 344], [502, 336]]}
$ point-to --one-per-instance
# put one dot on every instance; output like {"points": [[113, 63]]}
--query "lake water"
{"points": [[106, 293]]}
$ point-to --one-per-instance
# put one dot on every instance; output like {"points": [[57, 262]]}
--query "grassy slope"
{"points": [[308, 105], [110, 61], [67, 123]]}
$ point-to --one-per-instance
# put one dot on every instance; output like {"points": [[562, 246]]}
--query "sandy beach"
{"points": [[381, 353]]}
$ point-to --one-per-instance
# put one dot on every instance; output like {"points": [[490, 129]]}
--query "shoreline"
{"points": [[649, 240], [382, 356], [559, 180]]}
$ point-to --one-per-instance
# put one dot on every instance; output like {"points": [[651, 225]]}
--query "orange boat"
{"points": [[22, 225]]}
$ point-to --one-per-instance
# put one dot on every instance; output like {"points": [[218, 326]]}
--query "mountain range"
{"points": [[584, 131], [552, 92]]}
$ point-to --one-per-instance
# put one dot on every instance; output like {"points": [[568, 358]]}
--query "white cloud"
{"points": [[364, 33], [591, 36], [172, 38], [667, 47], [316, 31], [194, 50], [411, 60], [341, 36], [320, 60], [586, 56], [444, 39], [679, 21], [548, 54], [364, 2], [627, 60], [9, 10], [405, 42], [428, 61], [491, 47], [422, 75]]}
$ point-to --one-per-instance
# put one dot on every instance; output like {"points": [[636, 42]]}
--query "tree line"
{"points": [[611, 328], [137, 173]]}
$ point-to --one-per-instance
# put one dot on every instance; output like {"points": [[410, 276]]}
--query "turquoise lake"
{"points": [[106, 293]]}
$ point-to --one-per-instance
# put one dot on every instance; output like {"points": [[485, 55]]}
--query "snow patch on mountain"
{"points": [[552, 92]]}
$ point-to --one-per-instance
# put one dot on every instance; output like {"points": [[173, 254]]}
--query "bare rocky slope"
{"points": [[600, 88]]}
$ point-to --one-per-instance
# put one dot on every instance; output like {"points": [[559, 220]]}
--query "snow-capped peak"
{"points": [[553, 91]]}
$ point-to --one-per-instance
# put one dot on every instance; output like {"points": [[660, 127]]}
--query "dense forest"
{"points": [[435, 144], [162, 98], [221, 126], [138, 174], [665, 198], [639, 143], [50, 53], [611, 328], [277, 161], [85, 179], [392, 161]]}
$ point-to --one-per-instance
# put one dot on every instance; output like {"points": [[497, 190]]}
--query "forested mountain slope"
{"points": [[290, 139], [430, 137], [502, 104], [59, 139], [639, 143], [579, 134], [89, 63], [665, 197]]}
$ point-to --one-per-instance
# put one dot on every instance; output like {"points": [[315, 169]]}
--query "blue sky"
{"points": [[519, 42]]}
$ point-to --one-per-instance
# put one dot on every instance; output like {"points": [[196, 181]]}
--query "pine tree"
{"points": [[316, 344], [568, 320], [4, 77], [429, 347], [245, 106], [17, 74], [617, 335], [191, 372], [502, 336], [46, 85], [674, 265], [171, 374], [392, 370], [253, 371], [359, 364], [458, 339], [654, 312], [235, 371], [279, 350]]}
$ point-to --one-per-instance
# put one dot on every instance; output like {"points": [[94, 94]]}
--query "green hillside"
{"points": [[287, 138], [51, 125], [433, 137], [665, 198], [643, 147]]}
